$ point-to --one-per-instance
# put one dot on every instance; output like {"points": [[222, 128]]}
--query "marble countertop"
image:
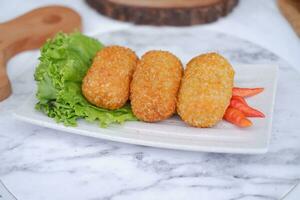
{"points": [[39, 163]]}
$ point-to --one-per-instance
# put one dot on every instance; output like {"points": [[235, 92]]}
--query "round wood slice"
{"points": [[164, 12]]}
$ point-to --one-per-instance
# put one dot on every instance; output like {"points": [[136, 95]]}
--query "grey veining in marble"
{"points": [[39, 163]]}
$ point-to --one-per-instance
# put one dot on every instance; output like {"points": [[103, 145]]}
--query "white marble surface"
{"points": [[38, 163]]}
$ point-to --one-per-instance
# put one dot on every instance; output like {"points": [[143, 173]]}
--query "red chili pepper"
{"points": [[241, 99], [236, 117], [247, 110], [246, 92]]}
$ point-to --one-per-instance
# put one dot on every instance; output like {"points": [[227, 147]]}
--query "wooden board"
{"points": [[164, 12], [291, 10], [30, 31]]}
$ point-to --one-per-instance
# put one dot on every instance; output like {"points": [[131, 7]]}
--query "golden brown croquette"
{"points": [[155, 85], [107, 81], [205, 90]]}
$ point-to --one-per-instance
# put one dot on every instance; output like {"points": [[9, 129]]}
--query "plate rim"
{"points": [[193, 148]]}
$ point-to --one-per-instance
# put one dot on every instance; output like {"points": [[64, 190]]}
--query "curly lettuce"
{"points": [[63, 63]]}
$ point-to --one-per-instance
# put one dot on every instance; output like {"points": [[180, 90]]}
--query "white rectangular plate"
{"points": [[174, 134]]}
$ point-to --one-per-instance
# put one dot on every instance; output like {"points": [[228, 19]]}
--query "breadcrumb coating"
{"points": [[155, 85], [107, 81], [205, 91]]}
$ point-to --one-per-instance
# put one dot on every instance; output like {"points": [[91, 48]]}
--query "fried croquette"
{"points": [[155, 85], [205, 90], [107, 81]]}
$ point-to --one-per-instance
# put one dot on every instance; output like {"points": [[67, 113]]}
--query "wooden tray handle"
{"points": [[30, 31]]}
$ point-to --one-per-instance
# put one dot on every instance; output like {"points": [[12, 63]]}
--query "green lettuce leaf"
{"points": [[63, 63]]}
